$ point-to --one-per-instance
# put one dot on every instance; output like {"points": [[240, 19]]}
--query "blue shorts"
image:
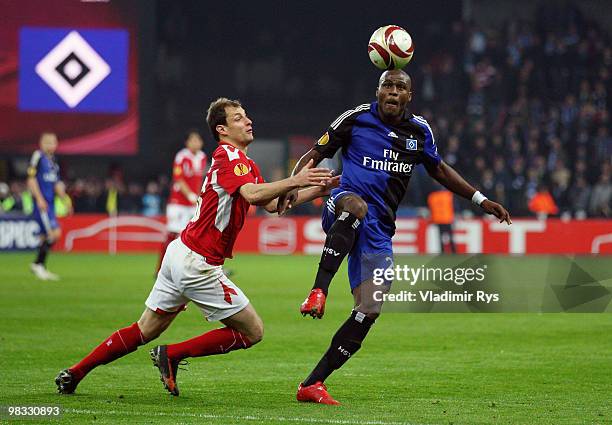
{"points": [[46, 221], [372, 249]]}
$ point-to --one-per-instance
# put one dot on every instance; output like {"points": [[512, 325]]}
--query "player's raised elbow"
{"points": [[436, 171]]}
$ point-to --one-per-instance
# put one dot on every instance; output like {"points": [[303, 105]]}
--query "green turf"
{"points": [[413, 368]]}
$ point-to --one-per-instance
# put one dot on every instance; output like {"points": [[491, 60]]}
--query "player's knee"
{"points": [[371, 311], [373, 315], [354, 205], [152, 324], [148, 330], [255, 332]]}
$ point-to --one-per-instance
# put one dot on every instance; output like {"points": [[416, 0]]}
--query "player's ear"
{"points": [[221, 129], [409, 96]]}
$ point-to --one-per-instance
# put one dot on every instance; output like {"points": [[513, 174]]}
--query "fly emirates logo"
{"points": [[388, 163]]}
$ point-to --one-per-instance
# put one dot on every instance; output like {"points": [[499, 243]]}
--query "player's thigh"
{"points": [[167, 292], [247, 322], [368, 265], [211, 290], [153, 323]]}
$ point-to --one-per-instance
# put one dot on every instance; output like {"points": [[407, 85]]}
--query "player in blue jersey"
{"points": [[381, 145], [43, 179]]}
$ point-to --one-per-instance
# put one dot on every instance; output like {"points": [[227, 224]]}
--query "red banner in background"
{"points": [[303, 235]]}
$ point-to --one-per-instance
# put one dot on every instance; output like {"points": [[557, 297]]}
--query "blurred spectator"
{"points": [[579, 197], [542, 203], [601, 197], [7, 201], [131, 202], [151, 200], [63, 203], [440, 204]]}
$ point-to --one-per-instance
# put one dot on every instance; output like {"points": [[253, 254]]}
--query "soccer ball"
{"points": [[390, 47]]}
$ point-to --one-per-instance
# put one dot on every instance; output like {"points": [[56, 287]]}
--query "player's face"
{"points": [[194, 142], [239, 127], [48, 143], [393, 94]]}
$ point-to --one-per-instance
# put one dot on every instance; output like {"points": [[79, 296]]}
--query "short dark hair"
{"points": [[216, 113], [191, 131]]}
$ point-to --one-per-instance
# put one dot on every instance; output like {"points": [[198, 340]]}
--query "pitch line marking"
{"points": [[235, 417]]}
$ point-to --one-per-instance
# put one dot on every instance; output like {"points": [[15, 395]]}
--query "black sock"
{"points": [[345, 343], [43, 250], [339, 242]]}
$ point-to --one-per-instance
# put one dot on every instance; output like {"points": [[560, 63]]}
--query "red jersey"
{"points": [[190, 168], [221, 209]]}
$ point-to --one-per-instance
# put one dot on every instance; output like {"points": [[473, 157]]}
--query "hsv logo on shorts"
{"points": [[73, 70]]}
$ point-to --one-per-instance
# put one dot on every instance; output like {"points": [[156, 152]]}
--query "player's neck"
{"points": [[235, 144], [390, 120]]}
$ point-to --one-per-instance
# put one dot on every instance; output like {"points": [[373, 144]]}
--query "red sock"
{"points": [[219, 341], [122, 342], [169, 238]]}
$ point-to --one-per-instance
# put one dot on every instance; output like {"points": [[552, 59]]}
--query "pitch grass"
{"points": [[413, 368]]}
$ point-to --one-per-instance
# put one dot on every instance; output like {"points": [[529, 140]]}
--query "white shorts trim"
{"points": [[186, 276], [178, 216]]}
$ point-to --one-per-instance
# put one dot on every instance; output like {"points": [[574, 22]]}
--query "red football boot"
{"points": [[315, 393], [314, 304]]}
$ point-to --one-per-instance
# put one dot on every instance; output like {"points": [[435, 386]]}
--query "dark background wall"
{"points": [[294, 65]]}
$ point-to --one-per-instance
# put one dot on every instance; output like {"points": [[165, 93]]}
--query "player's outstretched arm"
{"points": [[288, 200], [262, 194], [449, 178], [306, 195]]}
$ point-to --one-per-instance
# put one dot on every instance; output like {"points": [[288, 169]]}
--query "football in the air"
{"points": [[390, 47]]}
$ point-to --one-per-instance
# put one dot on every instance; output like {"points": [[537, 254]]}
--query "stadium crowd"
{"points": [[93, 195], [522, 110]]}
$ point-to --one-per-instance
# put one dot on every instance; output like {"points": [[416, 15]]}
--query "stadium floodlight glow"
{"points": [[73, 69]]}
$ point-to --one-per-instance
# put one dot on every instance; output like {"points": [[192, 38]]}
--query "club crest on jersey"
{"points": [[411, 144], [240, 169], [323, 140]]}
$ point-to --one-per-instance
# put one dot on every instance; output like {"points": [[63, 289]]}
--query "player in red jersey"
{"points": [[192, 267], [187, 175]]}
